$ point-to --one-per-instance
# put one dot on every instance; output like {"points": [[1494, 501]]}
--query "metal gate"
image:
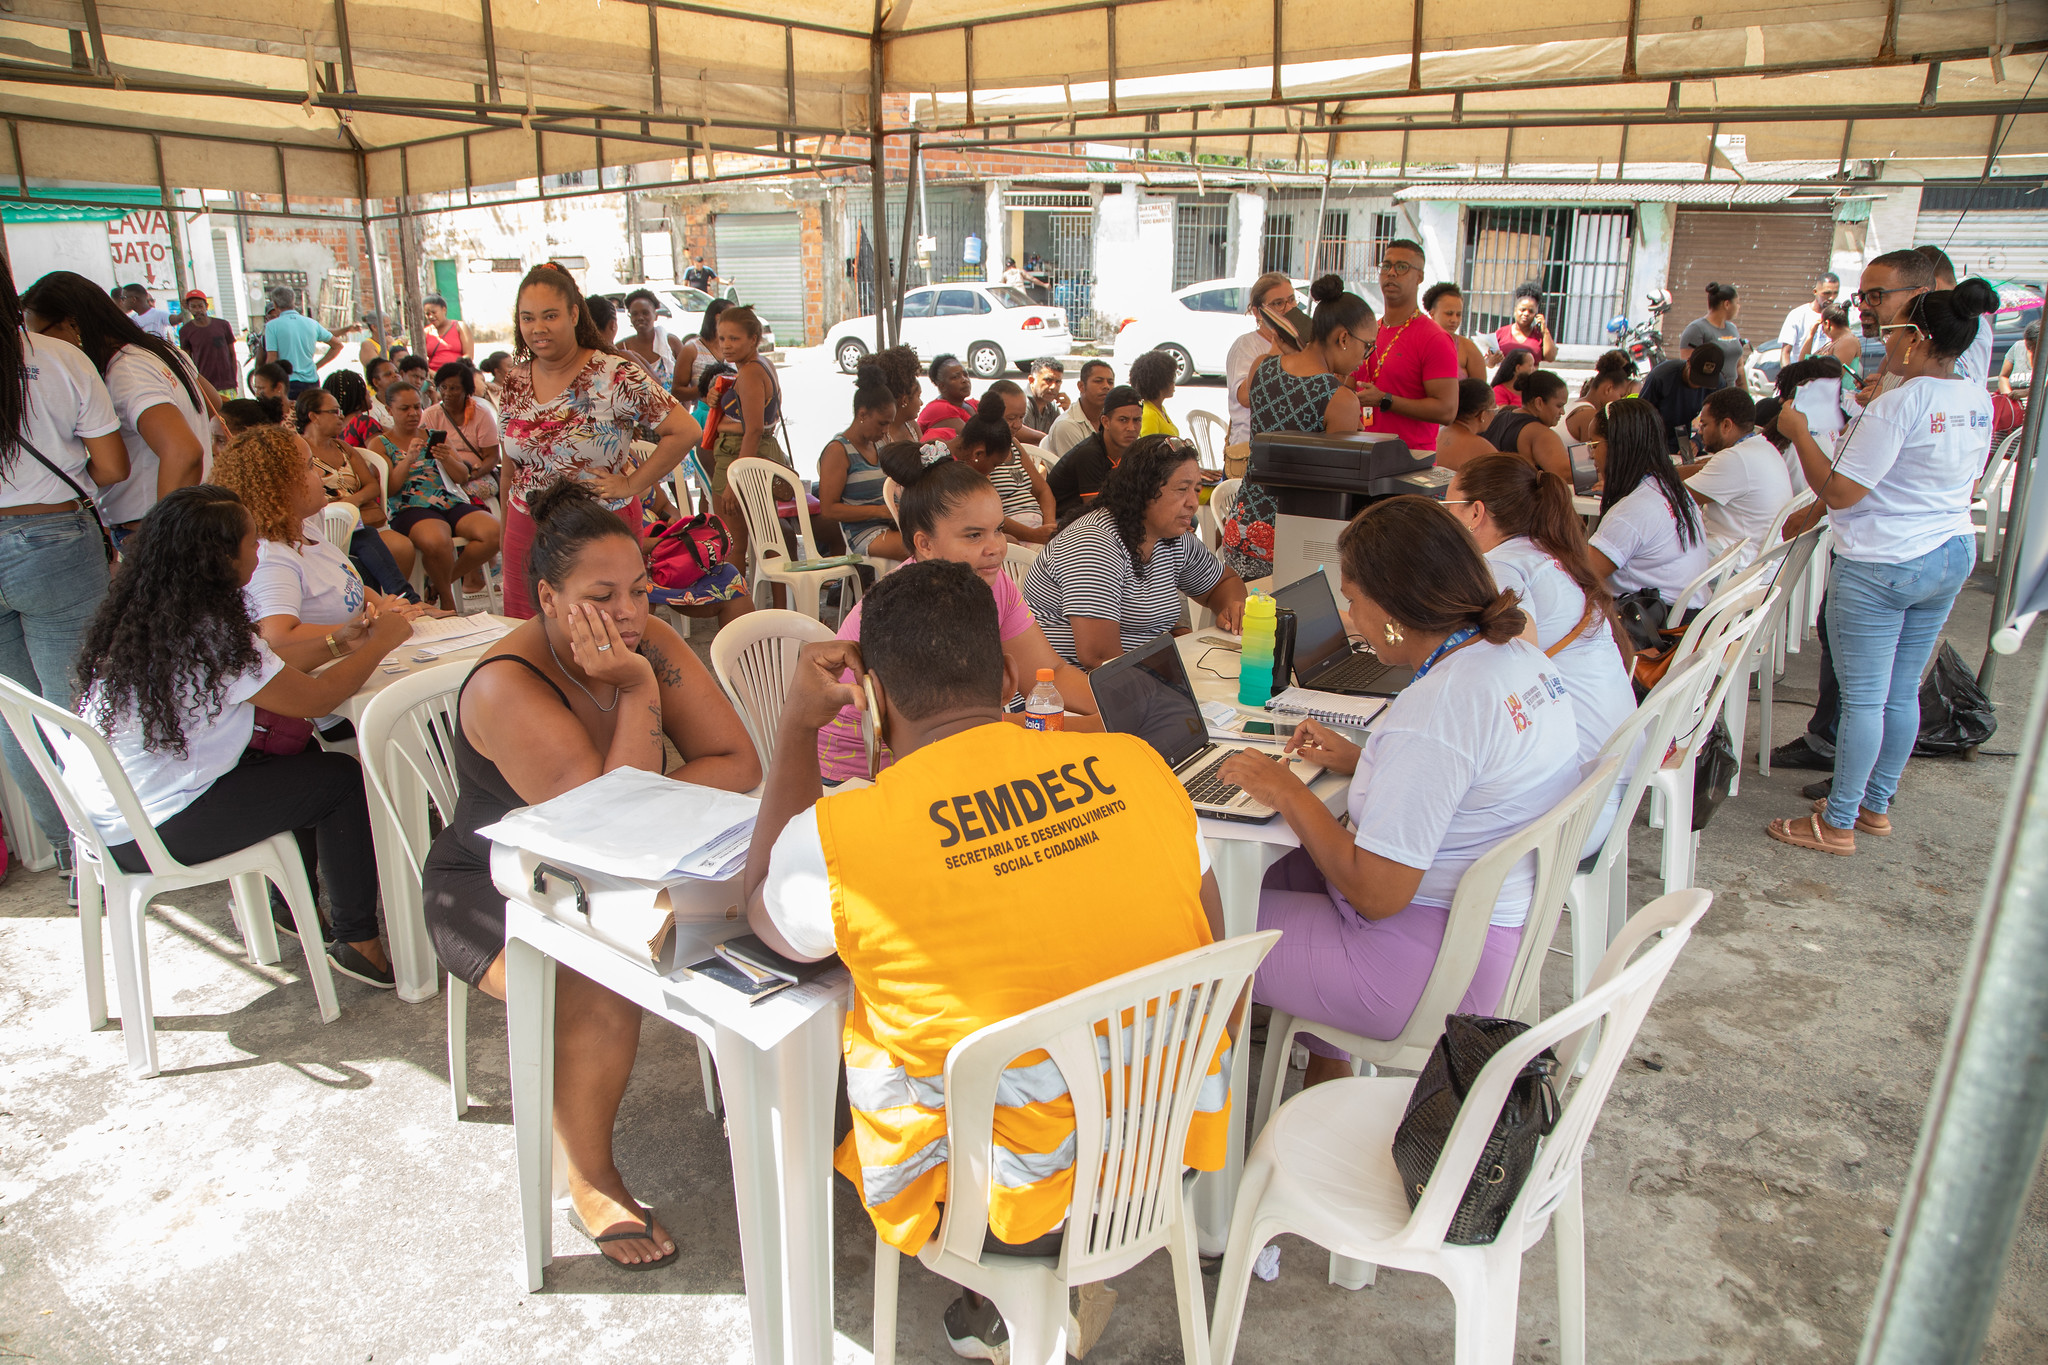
{"points": [[1579, 258], [1771, 256], [1276, 246], [1201, 239], [761, 256], [1072, 270]]}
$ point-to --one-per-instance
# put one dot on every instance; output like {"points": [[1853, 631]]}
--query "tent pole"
{"points": [[381, 327], [903, 248], [1981, 1140], [2013, 543], [1315, 248], [885, 315], [409, 296]]}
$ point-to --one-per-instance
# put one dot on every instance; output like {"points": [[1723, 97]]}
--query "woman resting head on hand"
{"points": [[590, 684], [172, 670]]}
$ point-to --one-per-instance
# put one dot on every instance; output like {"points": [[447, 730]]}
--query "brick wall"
{"points": [[811, 232]]}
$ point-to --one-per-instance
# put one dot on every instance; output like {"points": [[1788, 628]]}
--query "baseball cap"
{"points": [[192, 294]]}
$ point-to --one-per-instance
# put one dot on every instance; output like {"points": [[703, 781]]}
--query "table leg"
{"points": [[530, 1022], [1240, 866], [746, 1082]]}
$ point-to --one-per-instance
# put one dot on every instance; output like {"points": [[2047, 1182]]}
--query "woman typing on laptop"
{"points": [[1480, 744]]}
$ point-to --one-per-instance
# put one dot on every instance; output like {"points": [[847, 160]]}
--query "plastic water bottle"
{"points": [[1045, 708], [1255, 671]]}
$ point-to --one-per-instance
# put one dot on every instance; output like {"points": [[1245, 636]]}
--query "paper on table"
{"points": [[633, 823], [433, 643]]}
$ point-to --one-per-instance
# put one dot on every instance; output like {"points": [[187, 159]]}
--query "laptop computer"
{"points": [[1146, 693], [1326, 658]]}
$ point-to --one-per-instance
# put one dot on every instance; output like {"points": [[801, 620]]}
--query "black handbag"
{"points": [[1642, 614], [1468, 1043], [1713, 774]]}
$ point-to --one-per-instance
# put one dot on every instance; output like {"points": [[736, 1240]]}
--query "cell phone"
{"points": [[435, 438], [1259, 727], [869, 732], [1535, 331]]}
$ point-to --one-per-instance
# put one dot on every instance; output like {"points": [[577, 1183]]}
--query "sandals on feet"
{"points": [[1806, 832], [644, 1233], [1867, 822]]}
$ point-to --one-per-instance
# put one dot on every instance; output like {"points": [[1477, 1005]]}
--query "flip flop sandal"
{"points": [[1863, 820], [644, 1234], [1788, 832]]}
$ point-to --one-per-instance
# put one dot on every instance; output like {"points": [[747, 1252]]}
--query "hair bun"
{"points": [[1975, 297], [869, 373], [563, 492], [1614, 362], [1502, 619], [1327, 288], [904, 461]]}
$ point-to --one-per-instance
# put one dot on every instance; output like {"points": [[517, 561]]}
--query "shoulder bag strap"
{"points": [[1576, 631], [105, 539]]}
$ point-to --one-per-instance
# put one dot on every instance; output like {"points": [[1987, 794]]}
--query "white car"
{"points": [[682, 309], [989, 326], [1197, 325]]}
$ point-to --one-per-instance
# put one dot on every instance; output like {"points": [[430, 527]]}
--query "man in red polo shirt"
{"points": [[1408, 385]]}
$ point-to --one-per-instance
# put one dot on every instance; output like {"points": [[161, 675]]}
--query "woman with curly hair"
{"points": [[904, 376], [1113, 578], [1448, 773], [309, 602], [172, 672]]}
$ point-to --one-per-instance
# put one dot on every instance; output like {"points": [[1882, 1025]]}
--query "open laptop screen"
{"points": [[1319, 633], [1146, 693]]}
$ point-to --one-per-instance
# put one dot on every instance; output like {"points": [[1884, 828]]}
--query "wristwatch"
{"points": [[333, 646], [1386, 403]]}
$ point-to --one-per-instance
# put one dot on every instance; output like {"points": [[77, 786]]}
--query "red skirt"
{"points": [[519, 539]]}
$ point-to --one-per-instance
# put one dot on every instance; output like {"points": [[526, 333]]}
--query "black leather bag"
{"points": [[1642, 614], [1467, 1045], [1713, 774]]}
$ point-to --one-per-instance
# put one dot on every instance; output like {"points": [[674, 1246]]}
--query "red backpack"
{"points": [[685, 551]]}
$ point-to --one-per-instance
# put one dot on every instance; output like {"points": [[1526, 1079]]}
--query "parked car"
{"points": [[682, 308], [989, 326], [1197, 325], [2018, 306]]}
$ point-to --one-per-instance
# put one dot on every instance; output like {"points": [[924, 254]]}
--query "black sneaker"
{"points": [[975, 1330], [1800, 754], [344, 958], [1818, 791], [68, 872]]}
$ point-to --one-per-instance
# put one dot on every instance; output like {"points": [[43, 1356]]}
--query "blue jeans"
{"points": [[1883, 621], [53, 573]]}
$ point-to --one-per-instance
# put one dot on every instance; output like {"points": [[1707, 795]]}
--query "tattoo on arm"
{"points": [[654, 713], [668, 673]]}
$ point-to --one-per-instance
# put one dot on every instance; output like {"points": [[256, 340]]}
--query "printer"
{"points": [[1321, 481]]}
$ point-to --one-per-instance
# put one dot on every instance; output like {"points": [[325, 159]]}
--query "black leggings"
{"points": [[317, 795], [375, 563]]}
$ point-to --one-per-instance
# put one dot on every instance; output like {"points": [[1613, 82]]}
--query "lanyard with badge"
{"points": [[1451, 642]]}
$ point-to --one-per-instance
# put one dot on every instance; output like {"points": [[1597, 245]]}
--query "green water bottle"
{"points": [[1255, 673]]}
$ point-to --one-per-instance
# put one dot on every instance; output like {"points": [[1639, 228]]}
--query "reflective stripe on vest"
{"points": [[970, 884]]}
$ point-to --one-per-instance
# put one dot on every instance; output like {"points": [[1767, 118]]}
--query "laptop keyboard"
{"points": [[1360, 670], [1207, 788]]}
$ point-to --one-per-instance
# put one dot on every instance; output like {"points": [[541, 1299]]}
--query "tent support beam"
{"points": [[2014, 541], [878, 176], [1110, 12], [380, 326], [1848, 131], [409, 257], [163, 187], [912, 203], [490, 51], [1414, 52], [653, 60], [1277, 50], [1888, 50], [100, 65], [20, 171], [1635, 23], [348, 54]]}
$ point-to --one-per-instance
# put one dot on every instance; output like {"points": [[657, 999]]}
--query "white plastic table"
{"points": [[1239, 855], [778, 1115], [413, 963]]}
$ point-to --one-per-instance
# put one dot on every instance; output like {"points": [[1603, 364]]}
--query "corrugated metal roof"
{"points": [[1611, 192]]}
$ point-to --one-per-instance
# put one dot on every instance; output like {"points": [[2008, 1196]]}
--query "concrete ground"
{"points": [[292, 1192]]}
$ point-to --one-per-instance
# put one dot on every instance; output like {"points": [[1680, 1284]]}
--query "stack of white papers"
{"points": [[637, 824], [433, 636]]}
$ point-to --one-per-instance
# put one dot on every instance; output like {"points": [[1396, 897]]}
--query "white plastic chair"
{"points": [[1129, 1200], [1724, 564], [1324, 1168], [754, 659], [1017, 562], [1556, 839], [1211, 433], [754, 483], [1671, 784], [1598, 895], [1222, 498], [1989, 503], [1785, 566], [126, 896], [338, 522]]}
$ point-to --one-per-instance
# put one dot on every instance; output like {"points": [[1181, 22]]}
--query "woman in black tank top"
{"points": [[1530, 430], [591, 684]]}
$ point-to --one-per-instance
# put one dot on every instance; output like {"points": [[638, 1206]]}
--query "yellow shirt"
{"points": [[1155, 421]]}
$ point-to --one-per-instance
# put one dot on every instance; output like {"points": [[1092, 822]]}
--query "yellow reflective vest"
{"points": [[981, 876]]}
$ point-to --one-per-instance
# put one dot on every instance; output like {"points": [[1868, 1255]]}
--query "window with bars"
{"points": [[1578, 257], [1276, 247], [1201, 239]]}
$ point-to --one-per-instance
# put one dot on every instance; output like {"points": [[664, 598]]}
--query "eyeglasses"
{"points": [[1399, 268], [1874, 298], [1898, 327]]}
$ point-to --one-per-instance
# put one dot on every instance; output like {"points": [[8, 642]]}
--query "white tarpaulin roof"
{"points": [[335, 97]]}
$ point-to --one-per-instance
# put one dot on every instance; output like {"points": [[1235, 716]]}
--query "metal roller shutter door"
{"points": [[1999, 244], [761, 255], [1772, 259]]}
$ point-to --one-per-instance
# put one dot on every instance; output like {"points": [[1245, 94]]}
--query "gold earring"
{"points": [[1393, 633]]}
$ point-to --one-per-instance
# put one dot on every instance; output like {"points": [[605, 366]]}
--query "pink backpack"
{"points": [[687, 550]]}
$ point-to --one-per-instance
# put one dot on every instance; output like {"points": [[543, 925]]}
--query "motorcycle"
{"points": [[1644, 341]]}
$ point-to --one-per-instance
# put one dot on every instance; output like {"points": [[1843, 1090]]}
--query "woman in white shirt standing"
{"points": [[1898, 497], [59, 438], [307, 599], [1523, 520], [1650, 534], [172, 672], [166, 423], [1481, 744]]}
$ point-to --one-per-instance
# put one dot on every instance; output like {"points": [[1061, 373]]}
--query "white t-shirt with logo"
{"points": [[314, 582], [1746, 486], [165, 782], [138, 381], [1919, 450], [67, 402], [1602, 697], [1640, 537], [1474, 750]]}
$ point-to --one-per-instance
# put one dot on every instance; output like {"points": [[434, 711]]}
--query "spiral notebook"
{"points": [[1331, 708]]}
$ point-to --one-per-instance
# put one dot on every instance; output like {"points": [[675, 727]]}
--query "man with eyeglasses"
{"points": [[1408, 383], [1886, 291]]}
